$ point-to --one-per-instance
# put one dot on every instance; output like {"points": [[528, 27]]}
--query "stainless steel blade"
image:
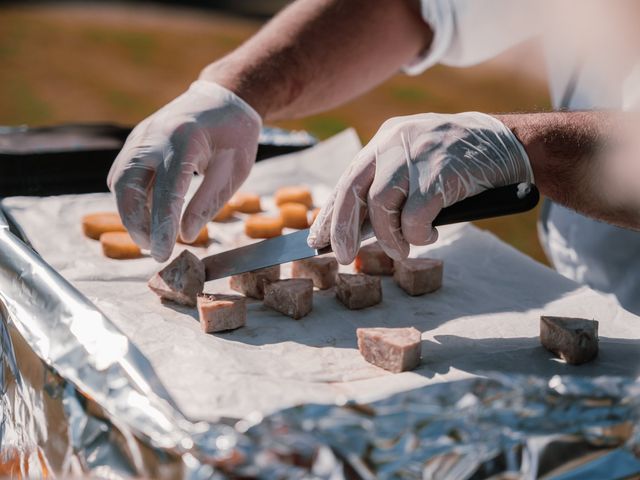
{"points": [[266, 253]]}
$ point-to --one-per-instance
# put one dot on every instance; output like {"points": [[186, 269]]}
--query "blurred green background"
{"points": [[85, 62]]}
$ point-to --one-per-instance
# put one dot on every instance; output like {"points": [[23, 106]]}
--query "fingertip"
{"points": [[398, 251], [433, 237], [190, 226], [140, 238]]}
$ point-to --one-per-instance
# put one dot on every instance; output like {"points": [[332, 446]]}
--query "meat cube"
{"points": [[358, 291], [575, 340], [322, 270], [292, 297], [372, 260], [252, 284], [418, 276], [394, 349], [221, 312], [180, 281]]}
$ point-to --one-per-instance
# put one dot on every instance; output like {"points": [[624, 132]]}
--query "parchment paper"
{"points": [[485, 318]]}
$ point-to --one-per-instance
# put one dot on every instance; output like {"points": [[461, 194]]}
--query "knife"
{"points": [[516, 198]]}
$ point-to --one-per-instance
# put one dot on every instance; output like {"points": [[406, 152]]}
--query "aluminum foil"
{"points": [[119, 421]]}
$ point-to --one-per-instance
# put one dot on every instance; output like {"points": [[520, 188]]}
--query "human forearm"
{"points": [[586, 161], [317, 54]]}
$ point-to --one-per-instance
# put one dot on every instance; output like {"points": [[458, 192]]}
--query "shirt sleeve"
{"points": [[468, 32]]}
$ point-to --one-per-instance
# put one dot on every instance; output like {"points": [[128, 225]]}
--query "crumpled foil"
{"points": [[120, 422]]}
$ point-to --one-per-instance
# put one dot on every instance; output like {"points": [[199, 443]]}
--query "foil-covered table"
{"points": [[142, 392]]}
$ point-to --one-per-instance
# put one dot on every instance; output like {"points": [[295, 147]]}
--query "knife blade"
{"points": [[516, 198]]}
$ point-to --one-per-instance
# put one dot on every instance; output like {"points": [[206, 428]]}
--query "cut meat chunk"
{"points": [[418, 276], [322, 270], [252, 284], [201, 240], [372, 260], [394, 349], [181, 280], [358, 291], [294, 195], [95, 224], [221, 312], [119, 245], [575, 340], [261, 226], [245, 202], [292, 297], [224, 214], [294, 215]]}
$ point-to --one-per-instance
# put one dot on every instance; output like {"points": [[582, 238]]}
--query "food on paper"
{"points": [[201, 240], [294, 195], [321, 270], [394, 349], [181, 280], [294, 215], [224, 214], [219, 313], [418, 276], [245, 203], [119, 245], [358, 290], [292, 297], [252, 284], [95, 224], [262, 226], [372, 260], [575, 340]]}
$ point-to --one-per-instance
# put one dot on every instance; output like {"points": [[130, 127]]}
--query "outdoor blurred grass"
{"points": [[101, 63]]}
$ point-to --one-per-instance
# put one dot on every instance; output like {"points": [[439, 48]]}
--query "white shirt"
{"points": [[587, 39]]}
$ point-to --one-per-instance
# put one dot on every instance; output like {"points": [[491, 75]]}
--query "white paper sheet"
{"points": [[485, 318]]}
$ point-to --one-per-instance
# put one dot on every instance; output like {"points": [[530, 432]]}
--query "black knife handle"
{"points": [[496, 202]]}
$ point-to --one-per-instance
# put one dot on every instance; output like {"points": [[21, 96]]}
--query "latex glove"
{"points": [[412, 168], [208, 130]]}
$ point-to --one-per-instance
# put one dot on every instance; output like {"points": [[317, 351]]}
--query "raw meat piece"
{"points": [[262, 226], [221, 312], [322, 270], [575, 340], [95, 224], [394, 349], [245, 203], [252, 284], [293, 194], [294, 215], [181, 280], [418, 276], [372, 260], [358, 291], [119, 245], [292, 297]]}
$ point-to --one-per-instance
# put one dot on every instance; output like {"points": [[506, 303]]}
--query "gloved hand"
{"points": [[208, 130], [412, 168]]}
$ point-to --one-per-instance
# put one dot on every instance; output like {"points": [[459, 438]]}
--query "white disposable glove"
{"points": [[412, 168], [207, 130]]}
